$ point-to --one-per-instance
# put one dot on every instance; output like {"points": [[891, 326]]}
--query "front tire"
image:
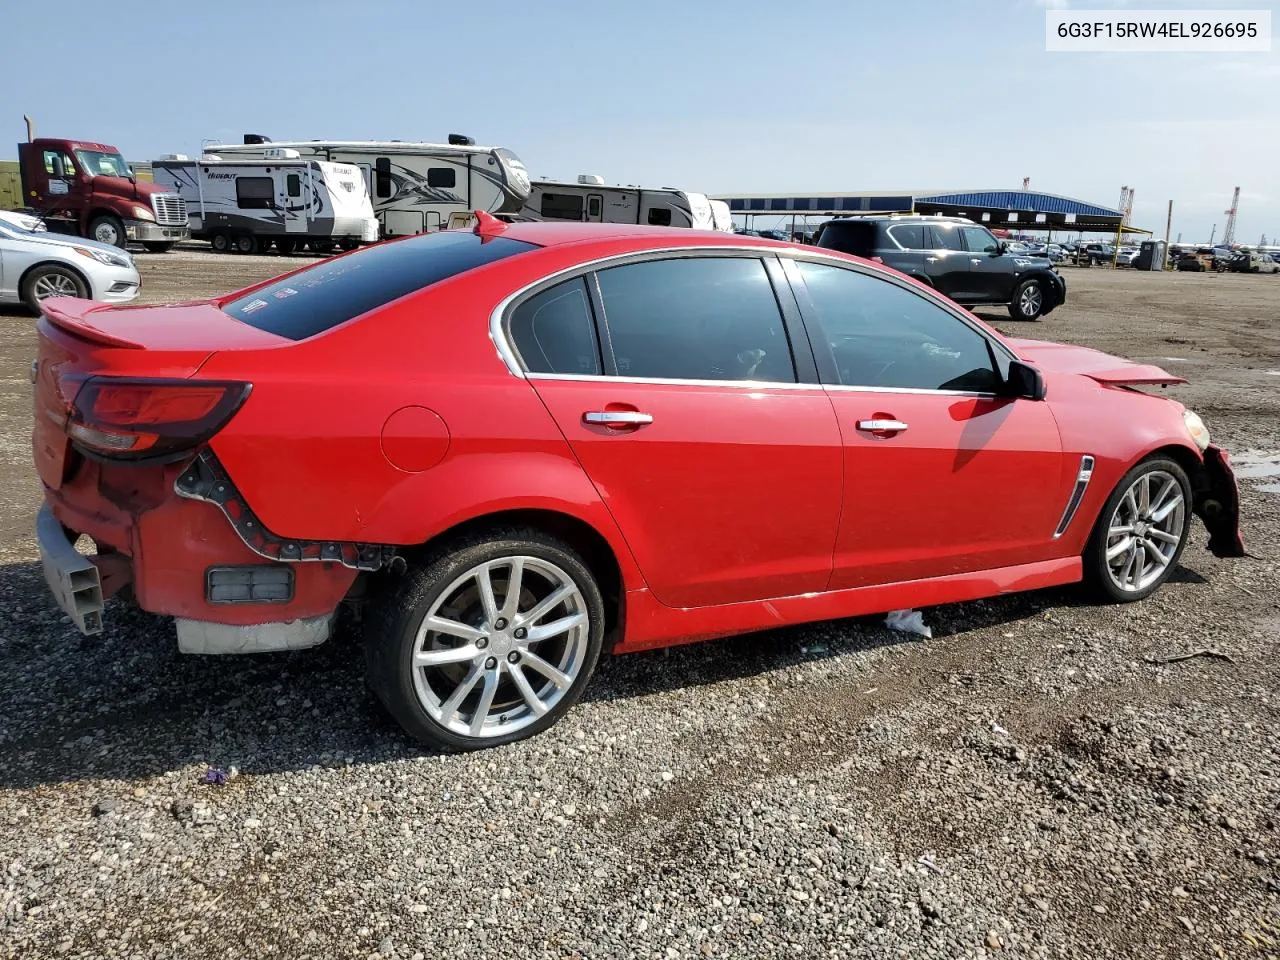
{"points": [[44, 283], [108, 229], [489, 641], [1141, 532], [1028, 300]]}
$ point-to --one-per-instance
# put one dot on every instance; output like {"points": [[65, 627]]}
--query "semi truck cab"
{"points": [[88, 190]]}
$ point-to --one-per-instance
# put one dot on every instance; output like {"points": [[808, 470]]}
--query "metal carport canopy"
{"points": [[1022, 209]]}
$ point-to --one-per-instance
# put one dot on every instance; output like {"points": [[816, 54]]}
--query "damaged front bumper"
{"points": [[1217, 503]]}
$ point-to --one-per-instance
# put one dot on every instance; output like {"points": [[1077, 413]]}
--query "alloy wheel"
{"points": [[54, 285], [499, 648], [1145, 531], [1030, 301]]}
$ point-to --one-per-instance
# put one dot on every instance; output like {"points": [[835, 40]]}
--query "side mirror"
{"points": [[1025, 381], [1001, 248], [58, 170]]}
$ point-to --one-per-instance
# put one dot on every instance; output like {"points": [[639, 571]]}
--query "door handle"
{"points": [[882, 426], [975, 259], [930, 259], [617, 418]]}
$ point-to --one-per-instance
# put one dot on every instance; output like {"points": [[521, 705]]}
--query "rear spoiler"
{"points": [[72, 315]]}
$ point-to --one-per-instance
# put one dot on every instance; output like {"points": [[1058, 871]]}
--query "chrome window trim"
{"points": [[751, 384], [1083, 476], [500, 313]]}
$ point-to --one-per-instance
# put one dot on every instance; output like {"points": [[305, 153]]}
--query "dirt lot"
{"points": [[1026, 783]]}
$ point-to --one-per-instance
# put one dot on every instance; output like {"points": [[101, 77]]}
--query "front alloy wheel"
{"points": [[1141, 532], [489, 643]]}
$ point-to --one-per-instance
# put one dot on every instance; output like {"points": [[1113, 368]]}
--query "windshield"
{"points": [[99, 164]]}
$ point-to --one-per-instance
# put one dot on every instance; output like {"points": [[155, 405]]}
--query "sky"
{"points": [[719, 96]]}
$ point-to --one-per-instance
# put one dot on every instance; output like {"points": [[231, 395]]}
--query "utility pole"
{"points": [[1213, 233], [1168, 232]]}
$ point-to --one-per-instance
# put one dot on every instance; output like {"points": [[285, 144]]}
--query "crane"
{"points": [[1229, 232]]}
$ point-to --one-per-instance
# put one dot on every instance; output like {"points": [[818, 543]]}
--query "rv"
{"points": [[414, 186], [591, 201], [249, 205]]}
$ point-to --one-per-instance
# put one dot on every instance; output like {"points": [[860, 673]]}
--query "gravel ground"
{"points": [[1026, 783]]}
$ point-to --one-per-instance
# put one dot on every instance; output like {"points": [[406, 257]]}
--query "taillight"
{"points": [[150, 419]]}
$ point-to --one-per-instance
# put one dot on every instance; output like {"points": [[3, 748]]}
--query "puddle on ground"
{"points": [[1258, 465]]}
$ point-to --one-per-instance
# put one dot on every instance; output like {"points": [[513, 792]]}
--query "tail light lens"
{"points": [[150, 419]]}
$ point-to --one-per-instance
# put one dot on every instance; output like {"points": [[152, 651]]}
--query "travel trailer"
{"points": [[591, 201], [414, 186], [282, 200], [721, 216]]}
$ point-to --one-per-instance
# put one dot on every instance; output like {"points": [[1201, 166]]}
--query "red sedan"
{"points": [[524, 444]]}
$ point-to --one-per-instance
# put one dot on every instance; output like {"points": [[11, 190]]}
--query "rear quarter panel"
{"points": [[306, 450]]}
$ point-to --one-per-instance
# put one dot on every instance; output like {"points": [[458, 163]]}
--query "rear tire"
{"points": [[220, 242], [1135, 527], [44, 283], [108, 228], [1028, 300], [488, 681], [158, 246], [246, 243]]}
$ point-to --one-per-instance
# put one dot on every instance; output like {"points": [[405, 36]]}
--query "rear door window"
{"points": [[700, 318], [335, 291], [943, 236]]}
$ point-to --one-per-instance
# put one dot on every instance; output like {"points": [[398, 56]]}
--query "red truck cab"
{"points": [[87, 189]]}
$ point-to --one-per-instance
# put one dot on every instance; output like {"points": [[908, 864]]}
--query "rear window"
{"points": [[857, 237], [335, 291]]}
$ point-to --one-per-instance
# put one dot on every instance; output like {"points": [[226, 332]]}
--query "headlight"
{"points": [[1196, 428], [143, 213], [105, 256]]}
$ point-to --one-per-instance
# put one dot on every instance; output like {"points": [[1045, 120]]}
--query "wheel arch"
{"points": [[594, 547], [22, 280]]}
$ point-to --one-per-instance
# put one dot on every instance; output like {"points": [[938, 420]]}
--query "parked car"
{"points": [[1191, 261], [1246, 262], [35, 266], [955, 256], [26, 221], [521, 446], [1057, 253], [1127, 256]]}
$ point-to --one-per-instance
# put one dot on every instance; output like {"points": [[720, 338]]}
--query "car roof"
{"points": [[547, 234]]}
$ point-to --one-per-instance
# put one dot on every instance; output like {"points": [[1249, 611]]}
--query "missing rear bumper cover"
{"points": [[206, 480]]}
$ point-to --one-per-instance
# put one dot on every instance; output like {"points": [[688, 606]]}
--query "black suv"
{"points": [[956, 256]]}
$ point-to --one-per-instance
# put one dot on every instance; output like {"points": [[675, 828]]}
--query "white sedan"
{"points": [[36, 266]]}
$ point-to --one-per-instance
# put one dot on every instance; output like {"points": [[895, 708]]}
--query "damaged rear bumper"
{"points": [[1217, 503]]}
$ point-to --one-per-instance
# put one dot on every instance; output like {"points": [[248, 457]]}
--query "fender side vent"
{"points": [[1083, 477]]}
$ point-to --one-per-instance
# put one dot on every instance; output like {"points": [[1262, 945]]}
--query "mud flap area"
{"points": [[1217, 504]]}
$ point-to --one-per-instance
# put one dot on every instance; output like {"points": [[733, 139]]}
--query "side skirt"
{"points": [[651, 625]]}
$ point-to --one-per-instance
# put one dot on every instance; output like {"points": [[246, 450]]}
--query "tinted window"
{"points": [[561, 206], [382, 167], [909, 235], [442, 177], [334, 291], [979, 240], [857, 237], [659, 216], [295, 185], [555, 331], [703, 318], [883, 335], [943, 237], [254, 193], [593, 206]]}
